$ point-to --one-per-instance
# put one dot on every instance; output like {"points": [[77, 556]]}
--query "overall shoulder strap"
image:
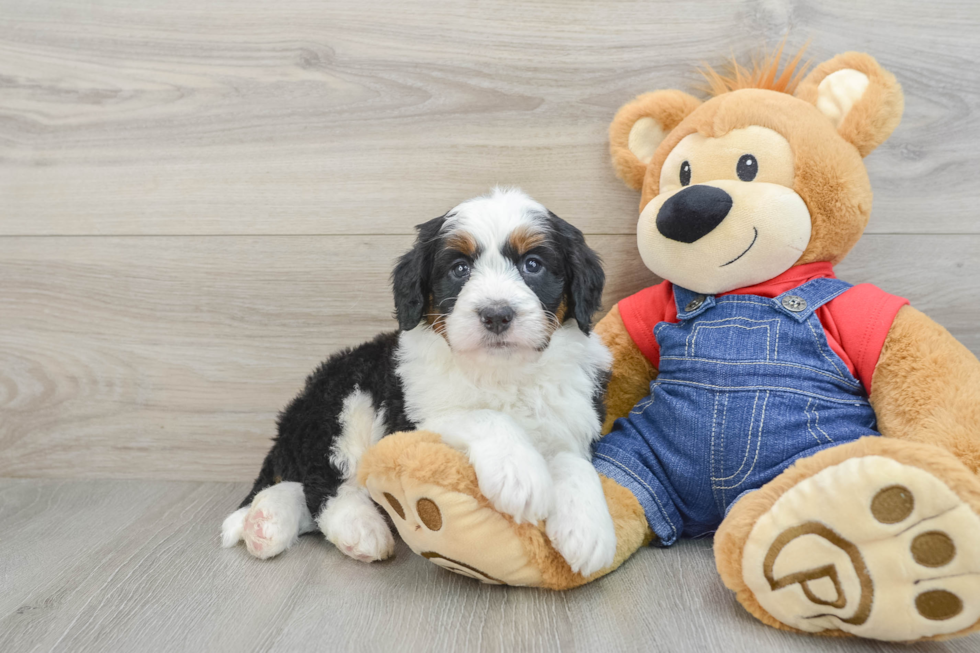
{"points": [[800, 302], [691, 304]]}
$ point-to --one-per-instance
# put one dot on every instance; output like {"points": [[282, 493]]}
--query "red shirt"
{"points": [[856, 322]]}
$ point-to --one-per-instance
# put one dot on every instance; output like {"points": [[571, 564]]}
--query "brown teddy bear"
{"points": [[829, 434]]}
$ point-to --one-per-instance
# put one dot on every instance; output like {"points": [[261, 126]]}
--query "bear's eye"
{"points": [[686, 173], [747, 167]]}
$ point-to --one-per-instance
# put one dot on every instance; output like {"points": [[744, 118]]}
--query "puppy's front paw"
{"points": [[516, 482], [583, 534]]}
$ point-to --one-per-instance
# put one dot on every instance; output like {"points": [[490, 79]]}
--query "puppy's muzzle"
{"points": [[496, 318]]}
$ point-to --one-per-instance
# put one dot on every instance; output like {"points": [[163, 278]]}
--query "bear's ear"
{"points": [[640, 126], [863, 100]]}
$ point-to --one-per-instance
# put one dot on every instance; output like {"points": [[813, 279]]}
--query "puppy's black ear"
{"points": [[584, 278], [411, 279]]}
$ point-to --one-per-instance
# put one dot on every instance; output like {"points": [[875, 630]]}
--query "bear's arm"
{"points": [[631, 371], [926, 387]]}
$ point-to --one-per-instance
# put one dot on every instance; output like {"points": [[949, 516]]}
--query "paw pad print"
{"points": [[872, 547], [454, 530], [932, 549], [426, 509]]}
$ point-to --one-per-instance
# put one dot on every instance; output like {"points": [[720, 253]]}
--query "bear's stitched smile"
{"points": [[754, 238]]}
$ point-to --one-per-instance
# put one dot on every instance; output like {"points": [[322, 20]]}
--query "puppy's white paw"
{"points": [[275, 519], [353, 524], [365, 538], [265, 534], [233, 527], [582, 533], [516, 481]]}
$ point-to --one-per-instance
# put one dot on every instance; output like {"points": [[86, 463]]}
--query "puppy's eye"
{"points": [[747, 167], [685, 173], [460, 269], [533, 265]]}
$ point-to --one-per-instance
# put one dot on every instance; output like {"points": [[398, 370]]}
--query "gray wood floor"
{"points": [[201, 200], [135, 566]]}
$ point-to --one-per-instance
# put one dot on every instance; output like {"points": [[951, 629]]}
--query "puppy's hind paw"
{"points": [[277, 516], [265, 535], [366, 540], [353, 524], [233, 528]]}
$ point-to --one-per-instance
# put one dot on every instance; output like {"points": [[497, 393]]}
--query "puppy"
{"points": [[494, 352]]}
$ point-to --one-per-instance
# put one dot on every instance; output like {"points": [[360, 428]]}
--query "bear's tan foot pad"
{"points": [[431, 494], [871, 546]]}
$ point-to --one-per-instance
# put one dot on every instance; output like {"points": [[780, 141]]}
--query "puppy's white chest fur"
{"points": [[549, 394]]}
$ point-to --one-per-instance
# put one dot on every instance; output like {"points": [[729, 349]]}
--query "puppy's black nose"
{"points": [[693, 213], [497, 318]]}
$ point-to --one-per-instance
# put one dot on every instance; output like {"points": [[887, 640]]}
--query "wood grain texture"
{"points": [[344, 117], [168, 357], [106, 566]]}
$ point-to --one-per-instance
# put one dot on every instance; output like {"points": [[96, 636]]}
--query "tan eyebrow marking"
{"points": [[462, 242], [524, 238]]}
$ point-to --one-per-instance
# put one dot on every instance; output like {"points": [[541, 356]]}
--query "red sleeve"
{"points": [[643, 311], [862, 317]]}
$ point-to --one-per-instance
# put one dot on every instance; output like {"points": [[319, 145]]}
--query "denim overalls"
{"points": [[747, 386]]}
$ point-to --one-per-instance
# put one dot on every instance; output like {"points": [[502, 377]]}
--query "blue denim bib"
{"points": [[747, 386]]}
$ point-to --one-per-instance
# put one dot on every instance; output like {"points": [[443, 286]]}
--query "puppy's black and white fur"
{"points": [[494, 352]]}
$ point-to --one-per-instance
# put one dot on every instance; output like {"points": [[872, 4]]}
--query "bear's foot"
{"points": [[431, 493], [432, 496], [883, 543]]}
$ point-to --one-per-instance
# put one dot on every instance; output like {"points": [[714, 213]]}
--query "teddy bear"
{"points": [[828, 434]]}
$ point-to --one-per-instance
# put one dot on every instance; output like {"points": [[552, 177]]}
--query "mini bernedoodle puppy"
{"points": [[494, 352]]}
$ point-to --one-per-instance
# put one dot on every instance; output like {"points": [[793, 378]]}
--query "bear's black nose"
{"points": [[692, 213]]}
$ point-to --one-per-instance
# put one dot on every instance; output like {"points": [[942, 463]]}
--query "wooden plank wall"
{"points": [[199, 201]]}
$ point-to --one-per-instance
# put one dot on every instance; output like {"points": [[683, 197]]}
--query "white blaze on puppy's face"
{"points": [[495, 311], [496, 277]]}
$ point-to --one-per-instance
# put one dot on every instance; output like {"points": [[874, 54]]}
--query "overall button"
{"points": [[794, 303], [695, 304]]}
